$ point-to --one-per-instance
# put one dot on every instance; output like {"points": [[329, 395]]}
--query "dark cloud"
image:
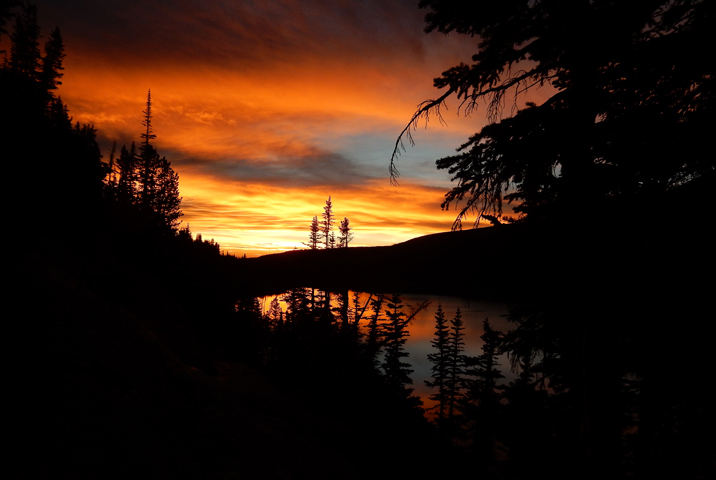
{"points": [[314, 168], [233, 33]]}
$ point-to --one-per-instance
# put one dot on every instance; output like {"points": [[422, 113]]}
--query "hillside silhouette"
{"points": [[509, 261]]}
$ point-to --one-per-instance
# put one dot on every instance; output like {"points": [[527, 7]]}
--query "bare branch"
{"points": [[457, 85], [423, 111]]}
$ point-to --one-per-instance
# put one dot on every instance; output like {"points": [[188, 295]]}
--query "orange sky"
{"points": [[267, 108]]}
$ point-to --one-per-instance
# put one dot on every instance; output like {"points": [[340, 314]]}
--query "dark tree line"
{"points": [[52, 163], [56, 162], [348, 359], [376, 331], [533, 425]]}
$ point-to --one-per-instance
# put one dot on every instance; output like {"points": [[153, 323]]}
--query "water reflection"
{"points": [[422, 329]]}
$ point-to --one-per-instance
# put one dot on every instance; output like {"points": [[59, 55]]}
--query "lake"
{"points": [[422, 330]]}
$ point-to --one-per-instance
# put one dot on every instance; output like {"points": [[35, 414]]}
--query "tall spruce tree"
{"points": [[327, 224], [146, 182], [439, 360], [455, 371], [397, 372], [149, 159], [51, 70], [25, 47]]}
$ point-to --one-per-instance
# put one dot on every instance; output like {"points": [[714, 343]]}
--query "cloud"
{"points": [[265, 108], [289, 166]]}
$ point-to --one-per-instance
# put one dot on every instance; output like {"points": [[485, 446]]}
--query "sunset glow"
{"points": [[265, 109]]}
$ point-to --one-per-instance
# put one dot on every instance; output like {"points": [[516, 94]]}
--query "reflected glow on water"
{"points": [[422, 329]]}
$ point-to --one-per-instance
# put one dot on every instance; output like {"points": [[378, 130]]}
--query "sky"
{"points": [[267, 108]]}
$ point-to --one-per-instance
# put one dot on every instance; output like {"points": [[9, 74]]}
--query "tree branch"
{"points": [[457, 85]]}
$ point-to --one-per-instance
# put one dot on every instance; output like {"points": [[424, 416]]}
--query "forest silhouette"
{"points": [[140, 350]]}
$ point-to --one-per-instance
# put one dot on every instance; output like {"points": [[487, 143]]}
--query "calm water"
{"points": [[422, 330]]}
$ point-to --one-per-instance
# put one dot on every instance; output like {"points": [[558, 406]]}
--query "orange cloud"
{"points": [[265, 109]]}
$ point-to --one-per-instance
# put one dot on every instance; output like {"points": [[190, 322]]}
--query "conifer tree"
{"points": [[52, 61], [127, 180], [327, 224], [346, 234], [455, 365], [148, 158], [374, 330], [59, 115], [147, 181], [6, 7], [297, 304], [625, 75], [484, 368], [397, 372], [314, 235], [25, 48], [166, 200], [148, 134], [440, 359], [482, 398], [275, 313]]}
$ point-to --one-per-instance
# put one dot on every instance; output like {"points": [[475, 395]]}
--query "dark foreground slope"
{"points": [[117, 381]]}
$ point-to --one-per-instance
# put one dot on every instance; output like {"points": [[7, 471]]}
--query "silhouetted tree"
{"points": [[51, 71], [314, 234], [146, 182], [439, 369], [148, 159], [455, 363], [59, 116], [127, 180], [148, 134], [374, 330], [482, 405], [346, 234], [275, 313], [397, 372], [297, 304], [185, 233], [166, 201], [327, 224], [6, 7], [630, 111], [25, 48], [357, 311]]}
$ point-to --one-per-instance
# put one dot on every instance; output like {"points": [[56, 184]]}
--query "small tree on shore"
{"points": [[327, 224], [314, 235], [346, 234]]}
